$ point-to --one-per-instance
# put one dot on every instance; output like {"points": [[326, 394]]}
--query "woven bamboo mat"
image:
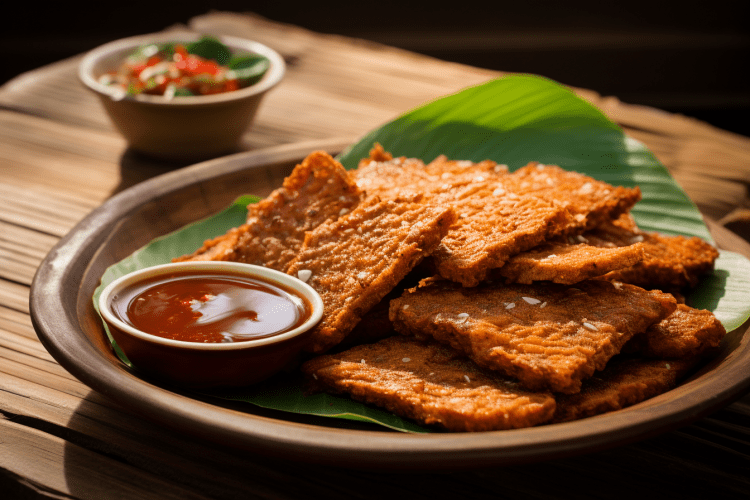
{"points": [[60, 158]]}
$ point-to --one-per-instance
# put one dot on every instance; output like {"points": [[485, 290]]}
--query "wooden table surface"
{"points": [[60, 158]]}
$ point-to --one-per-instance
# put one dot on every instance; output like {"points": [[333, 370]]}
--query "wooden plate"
{"points": [[70, 329]]}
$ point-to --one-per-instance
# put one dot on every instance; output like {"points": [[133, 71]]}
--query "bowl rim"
{"points": [[249, 270], [273, 76]]}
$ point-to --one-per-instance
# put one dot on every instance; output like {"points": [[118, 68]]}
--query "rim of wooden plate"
{"points": [[64, 318]]}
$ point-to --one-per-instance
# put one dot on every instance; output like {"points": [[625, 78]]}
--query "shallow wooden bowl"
{"points": [[189, 128]]}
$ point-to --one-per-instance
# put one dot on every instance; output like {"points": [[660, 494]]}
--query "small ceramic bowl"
{"points": [[210, 365], [188, 128]]}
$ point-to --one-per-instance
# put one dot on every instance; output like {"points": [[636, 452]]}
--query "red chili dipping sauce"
{"points": [[210, 307]]}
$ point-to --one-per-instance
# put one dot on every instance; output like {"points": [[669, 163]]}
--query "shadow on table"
{"points": [[110, 451], [136, 167]]}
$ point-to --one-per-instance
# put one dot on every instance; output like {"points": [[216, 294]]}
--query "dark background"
{"points": [[683, 57]]}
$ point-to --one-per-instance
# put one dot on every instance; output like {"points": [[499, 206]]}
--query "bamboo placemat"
{"points": [[60, 158]]}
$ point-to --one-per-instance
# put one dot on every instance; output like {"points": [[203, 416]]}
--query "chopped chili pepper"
{"points": [[173, 67]]}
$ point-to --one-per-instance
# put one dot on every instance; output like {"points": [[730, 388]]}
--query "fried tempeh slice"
{"points": [[494, 223], [591, 202], [687, 332], [619, 251], [318, 190], [429, 383], [624, 382], [399, 178], [355, 261], [561, 262], [503, 214], [549, 336], [668, 261], [490, 230]]}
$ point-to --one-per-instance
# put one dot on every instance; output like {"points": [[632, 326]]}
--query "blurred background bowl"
{"points": [[183, 128]]}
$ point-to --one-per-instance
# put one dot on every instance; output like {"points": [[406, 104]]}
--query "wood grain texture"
{"points": [[60, 158]]}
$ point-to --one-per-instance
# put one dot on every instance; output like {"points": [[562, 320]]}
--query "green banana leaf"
{"points": [[209, 47], [511, 120], [249, 68]]}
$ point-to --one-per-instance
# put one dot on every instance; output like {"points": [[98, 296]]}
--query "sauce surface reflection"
{"points": [[210, 307]]}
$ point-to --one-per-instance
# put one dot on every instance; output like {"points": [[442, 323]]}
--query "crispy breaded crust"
{"points": [[356, 260], [440, 180], [590, 201], [619, 251], [623, 383], [494, 223], [318, 189], [687, 332], [378, 153], [548, 336], [490, 230], [668, 261], [437, 166], [376, 177], [561, 262], [428, 383]]}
